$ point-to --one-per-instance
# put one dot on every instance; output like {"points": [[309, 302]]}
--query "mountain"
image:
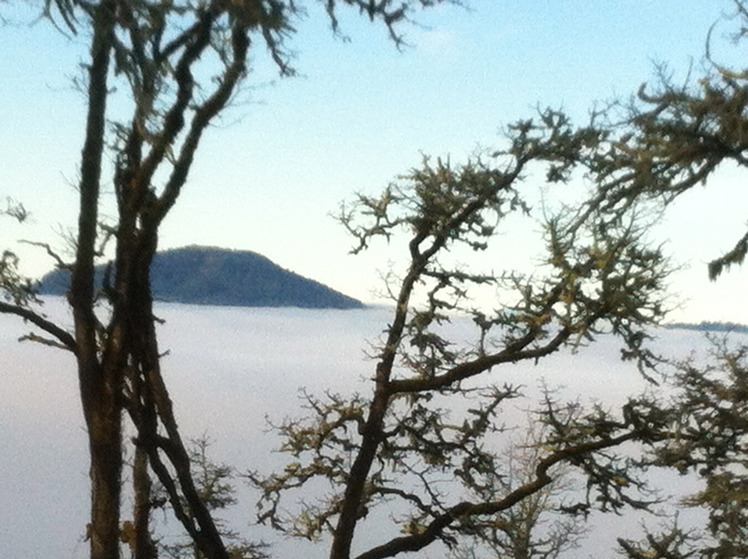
{"points": [[705, 326], [215, 276]]}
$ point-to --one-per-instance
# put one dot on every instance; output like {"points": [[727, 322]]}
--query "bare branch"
{"points": [[51, 252], [435, 529], [32, 337], [64, 337]]}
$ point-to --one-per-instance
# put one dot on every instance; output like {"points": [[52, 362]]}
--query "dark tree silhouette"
{"points": [[419, 442], [174, 66]]}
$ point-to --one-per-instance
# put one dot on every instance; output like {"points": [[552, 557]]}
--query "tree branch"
{"points": [[65, 338], [435, 529]]}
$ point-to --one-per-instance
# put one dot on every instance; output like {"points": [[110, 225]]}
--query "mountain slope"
{"points": [[214, 276], [706, 326]]}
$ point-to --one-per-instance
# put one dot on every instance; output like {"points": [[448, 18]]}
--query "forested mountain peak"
{"points": [[216, 276]]}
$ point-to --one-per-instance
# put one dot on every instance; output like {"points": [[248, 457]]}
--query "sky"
{"points": [[361, 112]]}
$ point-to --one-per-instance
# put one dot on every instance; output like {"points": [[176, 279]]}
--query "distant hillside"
{"points": [[709, 327], [214, 276]]}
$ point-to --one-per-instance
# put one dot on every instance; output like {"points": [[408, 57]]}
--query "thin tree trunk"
{"points": [[374, 427], [105, 441], [143, 546], [144, 342], [99, 385]]}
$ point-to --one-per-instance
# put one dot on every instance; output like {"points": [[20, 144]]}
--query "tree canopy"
{"points": [[395, 446]]}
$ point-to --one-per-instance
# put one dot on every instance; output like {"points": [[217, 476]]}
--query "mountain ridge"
{"points": [[203, 275], [709, 326]]}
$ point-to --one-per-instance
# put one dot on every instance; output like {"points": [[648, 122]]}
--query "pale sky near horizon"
{"points": [[360, 113]]}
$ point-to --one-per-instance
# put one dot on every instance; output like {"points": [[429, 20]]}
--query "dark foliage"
{"points": [[421, 444]]}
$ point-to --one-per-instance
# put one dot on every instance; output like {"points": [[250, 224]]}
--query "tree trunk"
{"points": [[143, 546], [99, 384], [104, 421], [206, 535]]}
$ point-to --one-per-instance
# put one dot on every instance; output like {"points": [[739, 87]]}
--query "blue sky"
{"points": [[360, 113]]}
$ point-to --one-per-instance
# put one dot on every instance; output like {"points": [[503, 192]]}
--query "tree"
{"points": [[707, 436], [667, 140], [673, 137], [215, 484], [179, 65], [17, 290], [421, 440], [711, 439], [536, 527], [672, 543]]}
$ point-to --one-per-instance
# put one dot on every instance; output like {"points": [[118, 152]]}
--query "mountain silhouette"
{"points": [[214, 276]]}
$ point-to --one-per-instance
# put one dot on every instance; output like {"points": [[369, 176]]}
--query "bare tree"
{"points": [[215, 484], [537, 527]]}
